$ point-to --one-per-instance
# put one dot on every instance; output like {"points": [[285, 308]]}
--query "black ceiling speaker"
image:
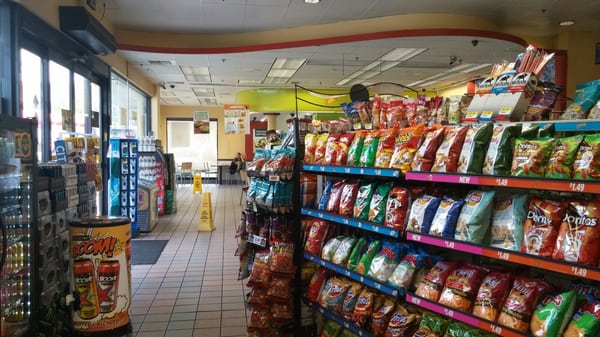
{"points": [[78, 23], [359, 92]]}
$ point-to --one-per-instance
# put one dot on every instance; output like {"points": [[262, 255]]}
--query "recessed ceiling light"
{"points": [[312, 1], [567, 23]]}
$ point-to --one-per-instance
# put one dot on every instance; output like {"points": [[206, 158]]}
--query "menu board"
{"points": [[237, 119]]}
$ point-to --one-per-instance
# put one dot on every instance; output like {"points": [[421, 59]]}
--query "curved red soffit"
{"points": [[324, 41]]}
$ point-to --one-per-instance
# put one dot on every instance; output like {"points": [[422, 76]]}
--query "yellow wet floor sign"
{"points": [[206, 223], [197, 185]]}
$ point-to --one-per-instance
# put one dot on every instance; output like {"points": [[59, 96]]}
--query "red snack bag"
{"points": [[344, 146], [425, 155], [282, 257], [381, 317], [310, 146], [316, 283], [461, 286], [376, 112], [408, 141], [364, 308], [446, 157], [431, 287], [541, 227], [579, 235], [518, 307], [279, 289], [396, 208], [331, 149], [333, 204], [385, 148], [260, 275], [396, 114], [348, 198], [258, 296], [320, 147], [491, 295], [314, 241]]}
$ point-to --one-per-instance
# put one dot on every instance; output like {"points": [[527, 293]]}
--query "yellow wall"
{"points": [[229, 145], [581, 47]]}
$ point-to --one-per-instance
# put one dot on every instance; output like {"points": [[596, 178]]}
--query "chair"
{"points": [[245, 184], [186, 172]]}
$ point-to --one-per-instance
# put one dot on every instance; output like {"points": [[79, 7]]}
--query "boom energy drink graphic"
{"points": [[101, 252]]}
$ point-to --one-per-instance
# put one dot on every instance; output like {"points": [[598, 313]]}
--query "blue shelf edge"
{"points": [[339, 320], [364, 171], [384, 288], [369, 226]]}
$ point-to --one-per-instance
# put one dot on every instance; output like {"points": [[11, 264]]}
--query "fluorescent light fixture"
{"points": [[282, 70], [204, 92], [386, 62], [312, 1], [196, 73], [463, 69], [567, 23], [249, 82], [468, 67]]}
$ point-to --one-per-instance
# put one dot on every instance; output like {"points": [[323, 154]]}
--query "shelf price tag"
{"points": [[347, 170], [577, 187], [347, 273], [346, 325], [377, 172], [415, 300], [322, 168], [416, 237], [362, 171], [495, 329], [449, 313], [579, 271], [503, 255], [377, 286], [501, 181], [449, 244], [346, 221]]}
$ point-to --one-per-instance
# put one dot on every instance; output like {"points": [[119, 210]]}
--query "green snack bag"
{"points": [[432, 325], [355, 149], [552, 315], [586, 320], [548, 130], [474, 220], [357, 251], [365, 261], [331, 329], [498, 157], [457, 329], [377, 207], [363, 201], [564, 151], [369, 150], [530, 132], [531, 156], [474, 148]]}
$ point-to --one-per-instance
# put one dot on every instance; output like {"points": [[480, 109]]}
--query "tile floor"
{"points": [[192, 291]]}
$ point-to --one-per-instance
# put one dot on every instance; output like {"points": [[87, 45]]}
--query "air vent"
{"points": [[162, 63]]}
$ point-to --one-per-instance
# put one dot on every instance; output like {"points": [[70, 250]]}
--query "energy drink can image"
{"points": [[108, 285], [85, 285]]}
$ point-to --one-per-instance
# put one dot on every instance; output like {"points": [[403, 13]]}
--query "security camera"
{"points": [[172, 86], [474, 42]]}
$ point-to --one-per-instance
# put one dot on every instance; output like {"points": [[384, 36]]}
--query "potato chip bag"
{"points": [[408, 141], [325, 196], [508, 215], [316, 283], [587, 161], [586, 320], [447, 154], [333, 294], [425, 156], [541, 227], [348, 198], [474, 148], [377, 207], [520, 302], [369, 150], [491, 295], [432, 325], [475, 216], [564, 152], [457, 329], [335, 196], [320, 147], [344, 146], [396, 208], [552, 315], [350, 300], [461, 287], [310, 146], [364, 264], [531, 156], [330, 247], [363, 201], [355, 148], [402, 323], [586, 95], [331, 149], [318, 230], [403, 273], [421, 214], [359, 249], [364, 308], [385, 147], [433, 283], [343, 251], [382, 316], [376, 112], [385, 261], [579, 235], [499, 154], [444, 221]]}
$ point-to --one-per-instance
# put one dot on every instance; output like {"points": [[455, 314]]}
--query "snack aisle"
{"points": [[478, 228]]}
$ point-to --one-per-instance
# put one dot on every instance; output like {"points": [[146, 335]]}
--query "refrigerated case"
{"points": [[18, 211], [123, 180]]}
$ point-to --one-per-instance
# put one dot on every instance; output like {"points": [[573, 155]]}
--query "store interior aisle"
{"points": [[192, 291]]}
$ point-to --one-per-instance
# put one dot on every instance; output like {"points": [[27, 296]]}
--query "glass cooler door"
{"points": [[17, 214]]}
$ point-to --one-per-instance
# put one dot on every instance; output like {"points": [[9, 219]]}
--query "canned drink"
{"points": [[108, 285], [85, 284]]}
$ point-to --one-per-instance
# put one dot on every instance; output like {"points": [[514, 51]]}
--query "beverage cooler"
{"points": [[170, 184], [18, 211], [123, 180]]}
